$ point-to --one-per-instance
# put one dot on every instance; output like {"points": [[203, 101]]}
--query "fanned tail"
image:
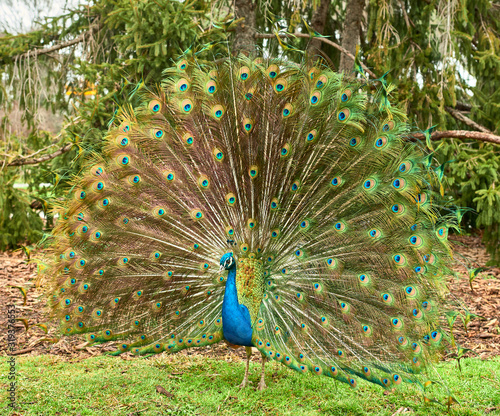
{"points": [[297, 167]]}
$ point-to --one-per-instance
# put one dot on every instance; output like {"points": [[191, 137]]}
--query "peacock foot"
{"points": [[244, 383], [262, 385]]}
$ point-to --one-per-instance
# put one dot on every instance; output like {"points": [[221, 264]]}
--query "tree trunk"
{"points": [[245, 31], [318, 23], [350, 34]]}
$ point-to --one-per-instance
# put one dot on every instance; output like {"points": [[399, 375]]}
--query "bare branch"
{"points": [[41, 159], [471, 123], [306, 35], [461, 134], [44, 51], [463, 106]]}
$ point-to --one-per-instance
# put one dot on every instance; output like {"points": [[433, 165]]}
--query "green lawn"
{"points": [[48, 385]]}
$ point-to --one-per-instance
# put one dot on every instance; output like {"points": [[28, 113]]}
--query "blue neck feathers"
{"points": [[236, 324]]}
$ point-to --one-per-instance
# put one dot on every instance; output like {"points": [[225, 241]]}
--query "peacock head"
{"points": [[227, 262]]}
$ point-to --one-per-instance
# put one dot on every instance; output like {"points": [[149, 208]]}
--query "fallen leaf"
{"points": [[161, 390]]}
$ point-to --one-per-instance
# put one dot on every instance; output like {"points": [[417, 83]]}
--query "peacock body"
{"points": [[291, 178]]}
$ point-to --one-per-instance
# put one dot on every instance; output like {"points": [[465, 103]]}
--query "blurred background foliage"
{"points": [[62, 79]]}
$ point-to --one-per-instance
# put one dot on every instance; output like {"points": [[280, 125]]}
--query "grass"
{"points": [[50, 385]]}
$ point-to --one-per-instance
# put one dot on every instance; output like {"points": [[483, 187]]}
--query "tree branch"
{"points": [[43, 51], [44, 158], [461, 134], [306, 35], [471, 123], [463, 106]]}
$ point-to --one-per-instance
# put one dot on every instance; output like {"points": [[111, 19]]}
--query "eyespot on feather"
{"points": [[313, 73], [387, 298], [186, 106], [399, 259], [122, 141], [331, 263], [336, 181], [396, 323], [272, 71], [134, 179], [285, 150], [169, 175], [346, 95], [398, 209], [405, 167], [244, 73], [364, 279], [182, 85], [247, 125], [416, 241], [388, 126], [399, 184], [369, 184], [182, 65], [355, 142], [124, 127], [315, 98], [274, 204], [157, 133], [211, 87], [311, 136], [280, 85], [218, 154], [344, 115], [339, 226], [321, 82], [381, 143], [230, 199], [422, 199], [97, 170], [123, 159], [442, 233], [159, 212], [154, 106], [104, 203], [287, 110], [217, 111], [296, 184], [203, 182], [188, 139], [196, 214], [253, 171], [251, 223]]}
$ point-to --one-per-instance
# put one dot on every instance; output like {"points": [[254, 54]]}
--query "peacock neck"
{"points": [[236, 324], [230, 294]]}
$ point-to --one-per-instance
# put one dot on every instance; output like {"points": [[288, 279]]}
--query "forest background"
{"points": [[62, 79]]}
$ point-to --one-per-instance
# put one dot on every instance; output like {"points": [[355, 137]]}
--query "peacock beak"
{"points": [[221, 269]]}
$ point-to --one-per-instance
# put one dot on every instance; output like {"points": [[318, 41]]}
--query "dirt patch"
{"points": [[481, 304], [480, 299]]}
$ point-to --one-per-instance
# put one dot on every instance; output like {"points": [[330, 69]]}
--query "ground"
{"points": [[44, 360]]}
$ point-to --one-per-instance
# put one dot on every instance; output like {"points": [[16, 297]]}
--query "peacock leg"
{"points": [[245, 379], [262, 383]]}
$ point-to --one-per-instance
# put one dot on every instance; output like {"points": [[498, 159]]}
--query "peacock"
{"points": [[263, 203]]}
